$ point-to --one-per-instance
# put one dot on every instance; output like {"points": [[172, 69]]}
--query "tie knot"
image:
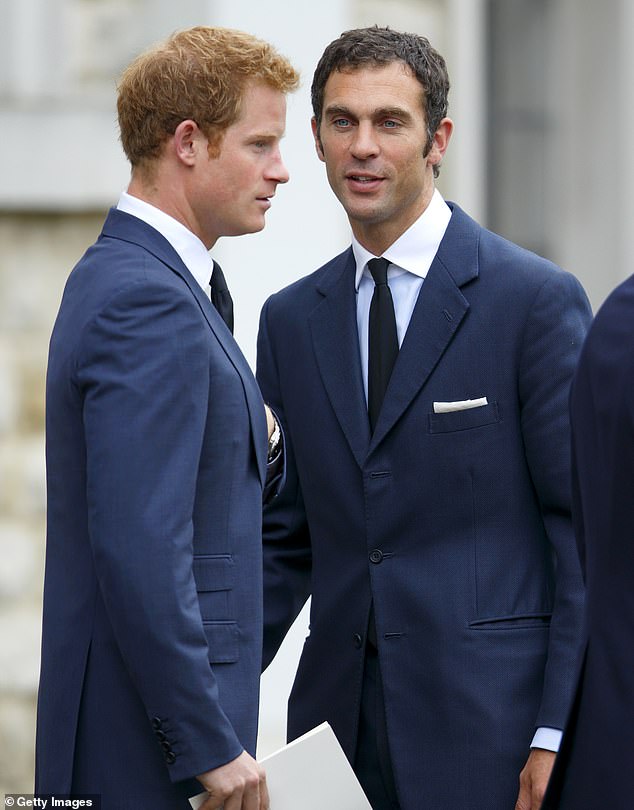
{"points": [[378, 268]]}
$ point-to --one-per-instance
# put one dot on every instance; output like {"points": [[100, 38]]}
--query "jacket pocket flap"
{"points": [[512, 622], [464, 420], [223, 642], [214, 573]]}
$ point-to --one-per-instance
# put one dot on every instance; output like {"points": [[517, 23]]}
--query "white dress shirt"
{"points": [[191, 250], [410, 258]]}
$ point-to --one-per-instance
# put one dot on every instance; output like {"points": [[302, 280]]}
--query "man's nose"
{"points": [[364, 143], [278, 171]]}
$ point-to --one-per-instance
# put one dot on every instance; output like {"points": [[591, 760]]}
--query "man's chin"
{"points": [[245, 229], [365, 215]]}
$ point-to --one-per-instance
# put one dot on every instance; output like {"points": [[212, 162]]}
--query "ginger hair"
{"points": [[198, 74]]}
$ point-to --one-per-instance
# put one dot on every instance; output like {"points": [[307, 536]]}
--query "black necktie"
{"points": [[221, 297], [383, 339]]}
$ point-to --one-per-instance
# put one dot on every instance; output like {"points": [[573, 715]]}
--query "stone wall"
{"points": [[36, 255]]}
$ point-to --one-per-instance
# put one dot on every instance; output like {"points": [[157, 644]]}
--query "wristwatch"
{"points": [[274, 442]]}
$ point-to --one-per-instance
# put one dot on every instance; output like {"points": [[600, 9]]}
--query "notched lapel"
{"points": [[438, 313], [121, 225], [252, 394], [440, 309], [335, 337]]}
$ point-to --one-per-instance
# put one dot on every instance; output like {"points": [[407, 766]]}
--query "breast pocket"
{"points": [[467, 419]]}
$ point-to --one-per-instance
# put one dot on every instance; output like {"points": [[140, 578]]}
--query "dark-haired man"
{"points": [[593, 767], [156, 443], [422, 377]]}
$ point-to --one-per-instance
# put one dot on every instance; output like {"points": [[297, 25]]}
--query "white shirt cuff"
{"points": [[548, 738]]}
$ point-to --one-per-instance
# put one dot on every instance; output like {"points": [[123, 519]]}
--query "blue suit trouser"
{"points": [[373, 764]]}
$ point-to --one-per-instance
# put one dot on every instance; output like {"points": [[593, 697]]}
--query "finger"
{"points": [[211, 803], [524, 798], [235, 801], [251, 798], [265, 801]]}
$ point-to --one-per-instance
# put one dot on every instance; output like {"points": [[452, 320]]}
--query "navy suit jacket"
{"points": [[594, 768], [457, 525], [156, 458]]}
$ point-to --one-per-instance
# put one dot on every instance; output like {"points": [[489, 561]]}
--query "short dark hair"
{"points": [[370, 47]]}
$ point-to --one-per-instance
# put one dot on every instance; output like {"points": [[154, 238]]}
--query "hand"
{"points": [[534, 779], [270, 420], [238, 785]]}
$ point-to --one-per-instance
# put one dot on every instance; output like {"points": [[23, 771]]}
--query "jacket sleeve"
{"points": [[285, 535], [554, 332], [143, 374]]}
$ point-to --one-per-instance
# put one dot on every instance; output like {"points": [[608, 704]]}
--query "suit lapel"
{"points": [[335, 338], [440, 309], [124, 226]]}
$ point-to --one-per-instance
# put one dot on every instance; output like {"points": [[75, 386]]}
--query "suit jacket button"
{"points": [[376, 556], [166, 746], [170, 757], [160, 735], [156, 722], [358, 641]]}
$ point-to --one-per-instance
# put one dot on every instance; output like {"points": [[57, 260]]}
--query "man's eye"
{"points": [[390, 124], [341, 122]]}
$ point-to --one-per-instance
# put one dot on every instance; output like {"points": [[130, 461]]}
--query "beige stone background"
{"points": [[34, 263], [542, 153]]}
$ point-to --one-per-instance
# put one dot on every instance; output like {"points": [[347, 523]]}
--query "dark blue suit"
{"points": [[594, 768], [156, 459], [456, 525]]}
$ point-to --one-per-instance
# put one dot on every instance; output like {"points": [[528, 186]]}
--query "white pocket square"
{"points": [[459, 405]]}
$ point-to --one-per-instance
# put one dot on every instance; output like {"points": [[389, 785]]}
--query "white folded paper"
{"points": [[310, 773]]}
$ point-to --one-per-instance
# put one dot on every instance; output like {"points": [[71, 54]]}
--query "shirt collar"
{"points": [[191, 250], [415, 249]]}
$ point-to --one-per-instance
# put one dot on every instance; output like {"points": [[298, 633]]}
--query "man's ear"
{"points": [[187, 141], [318, 147], [440, 142]]}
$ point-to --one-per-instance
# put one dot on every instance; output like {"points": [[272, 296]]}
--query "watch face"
{"points": [[274, 443]]}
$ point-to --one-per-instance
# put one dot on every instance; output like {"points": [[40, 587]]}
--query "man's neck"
{"points": [[156, 188], [377, 237]]}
